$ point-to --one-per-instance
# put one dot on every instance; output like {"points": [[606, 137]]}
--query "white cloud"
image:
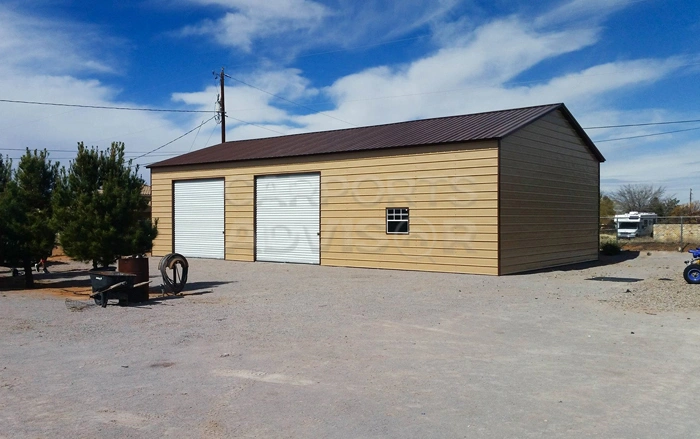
{"points": [[46, 60], [590, 84], [581, 11], [375, 21], [667, 160], [454, 80], [58, 47], [288, 27], [248, 20], [271, 9], [252, 104], [673, 164], [60, 128]]}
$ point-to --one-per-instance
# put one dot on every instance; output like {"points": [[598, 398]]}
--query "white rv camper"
{"points": [[634, 224]]}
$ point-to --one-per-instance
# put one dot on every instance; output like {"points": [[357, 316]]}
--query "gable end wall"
{"points": [[549, 186]]}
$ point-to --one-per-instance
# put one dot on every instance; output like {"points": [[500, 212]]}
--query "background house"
{"points": [[489, 193]]}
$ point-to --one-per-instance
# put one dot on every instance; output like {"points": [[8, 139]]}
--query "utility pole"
{"points": [[222, 107]]}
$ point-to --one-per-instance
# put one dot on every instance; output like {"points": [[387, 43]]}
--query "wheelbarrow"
{"points": [[113, 285]]}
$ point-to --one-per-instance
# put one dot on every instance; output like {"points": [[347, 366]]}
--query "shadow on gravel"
{"points": [[603, 260], [160, 300], [64, 279], [624, 256], [75, 278], [191, 289], [193, 286], [615, 279]]}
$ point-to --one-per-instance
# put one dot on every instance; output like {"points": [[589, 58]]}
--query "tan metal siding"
{"points": [[451, 192], [549, 183]]}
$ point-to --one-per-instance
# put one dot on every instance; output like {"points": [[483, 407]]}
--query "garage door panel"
{"points": [[288, 218], [199, 218]]}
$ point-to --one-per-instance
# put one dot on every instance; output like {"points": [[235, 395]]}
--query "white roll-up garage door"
{"points": [[199, 218], [287, 218]]}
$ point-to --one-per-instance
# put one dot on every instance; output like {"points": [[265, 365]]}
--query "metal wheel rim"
{"points": [[694, 274]]}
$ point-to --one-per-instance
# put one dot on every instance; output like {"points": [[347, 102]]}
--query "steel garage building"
{"points": [[489, 193]]}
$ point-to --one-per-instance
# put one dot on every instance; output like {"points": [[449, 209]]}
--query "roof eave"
{"points": [[163, 164]]}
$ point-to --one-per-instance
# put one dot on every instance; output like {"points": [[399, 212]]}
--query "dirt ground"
{"points": [[607, 349], [654, 246], [66, 279]]}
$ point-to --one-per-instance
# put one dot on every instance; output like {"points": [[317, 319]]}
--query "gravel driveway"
{"points": [[277, 350]]}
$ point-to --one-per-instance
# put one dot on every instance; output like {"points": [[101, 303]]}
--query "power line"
{"points": [[104, 107], [175, 139], [195, 137], [646, 135], [165, 110], [642, 124], [162, 146], [255, 125], [126, 155], [59, 151], [210, 134], [259, 126], [50, 150]]}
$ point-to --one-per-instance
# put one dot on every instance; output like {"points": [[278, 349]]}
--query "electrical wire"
{"points": [[646, 135], [210, 134], [164, 145], [56, 150], [166, 110], [104, 107], [255, 125], [175, 139], [278, 132], [642, 124], [195, 138]]}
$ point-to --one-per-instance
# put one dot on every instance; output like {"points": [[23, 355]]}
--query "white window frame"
{"points": [[397, 215]]}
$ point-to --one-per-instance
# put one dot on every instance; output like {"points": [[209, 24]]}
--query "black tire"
{"points": [[691, 274], [176, 279], [98, 299]]}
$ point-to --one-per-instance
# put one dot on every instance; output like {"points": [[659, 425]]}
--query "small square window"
{"points": [[397, 220]]}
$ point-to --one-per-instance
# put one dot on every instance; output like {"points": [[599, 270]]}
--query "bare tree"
{"points": [[637, 197]]}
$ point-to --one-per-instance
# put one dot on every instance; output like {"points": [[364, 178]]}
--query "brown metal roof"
{"points": [[465, 128]]}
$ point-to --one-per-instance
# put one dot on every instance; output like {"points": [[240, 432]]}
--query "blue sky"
{"points": [[320, 65]]}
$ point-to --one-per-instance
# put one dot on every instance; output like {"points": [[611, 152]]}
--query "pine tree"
{"points": [[5, 213], [100, 208], [26, 206], [5, 172]]}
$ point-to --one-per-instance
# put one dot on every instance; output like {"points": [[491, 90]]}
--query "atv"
{"points": [[691, 274]]}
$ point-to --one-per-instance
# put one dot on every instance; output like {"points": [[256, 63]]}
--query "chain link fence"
{"points": [[679, 230]]}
